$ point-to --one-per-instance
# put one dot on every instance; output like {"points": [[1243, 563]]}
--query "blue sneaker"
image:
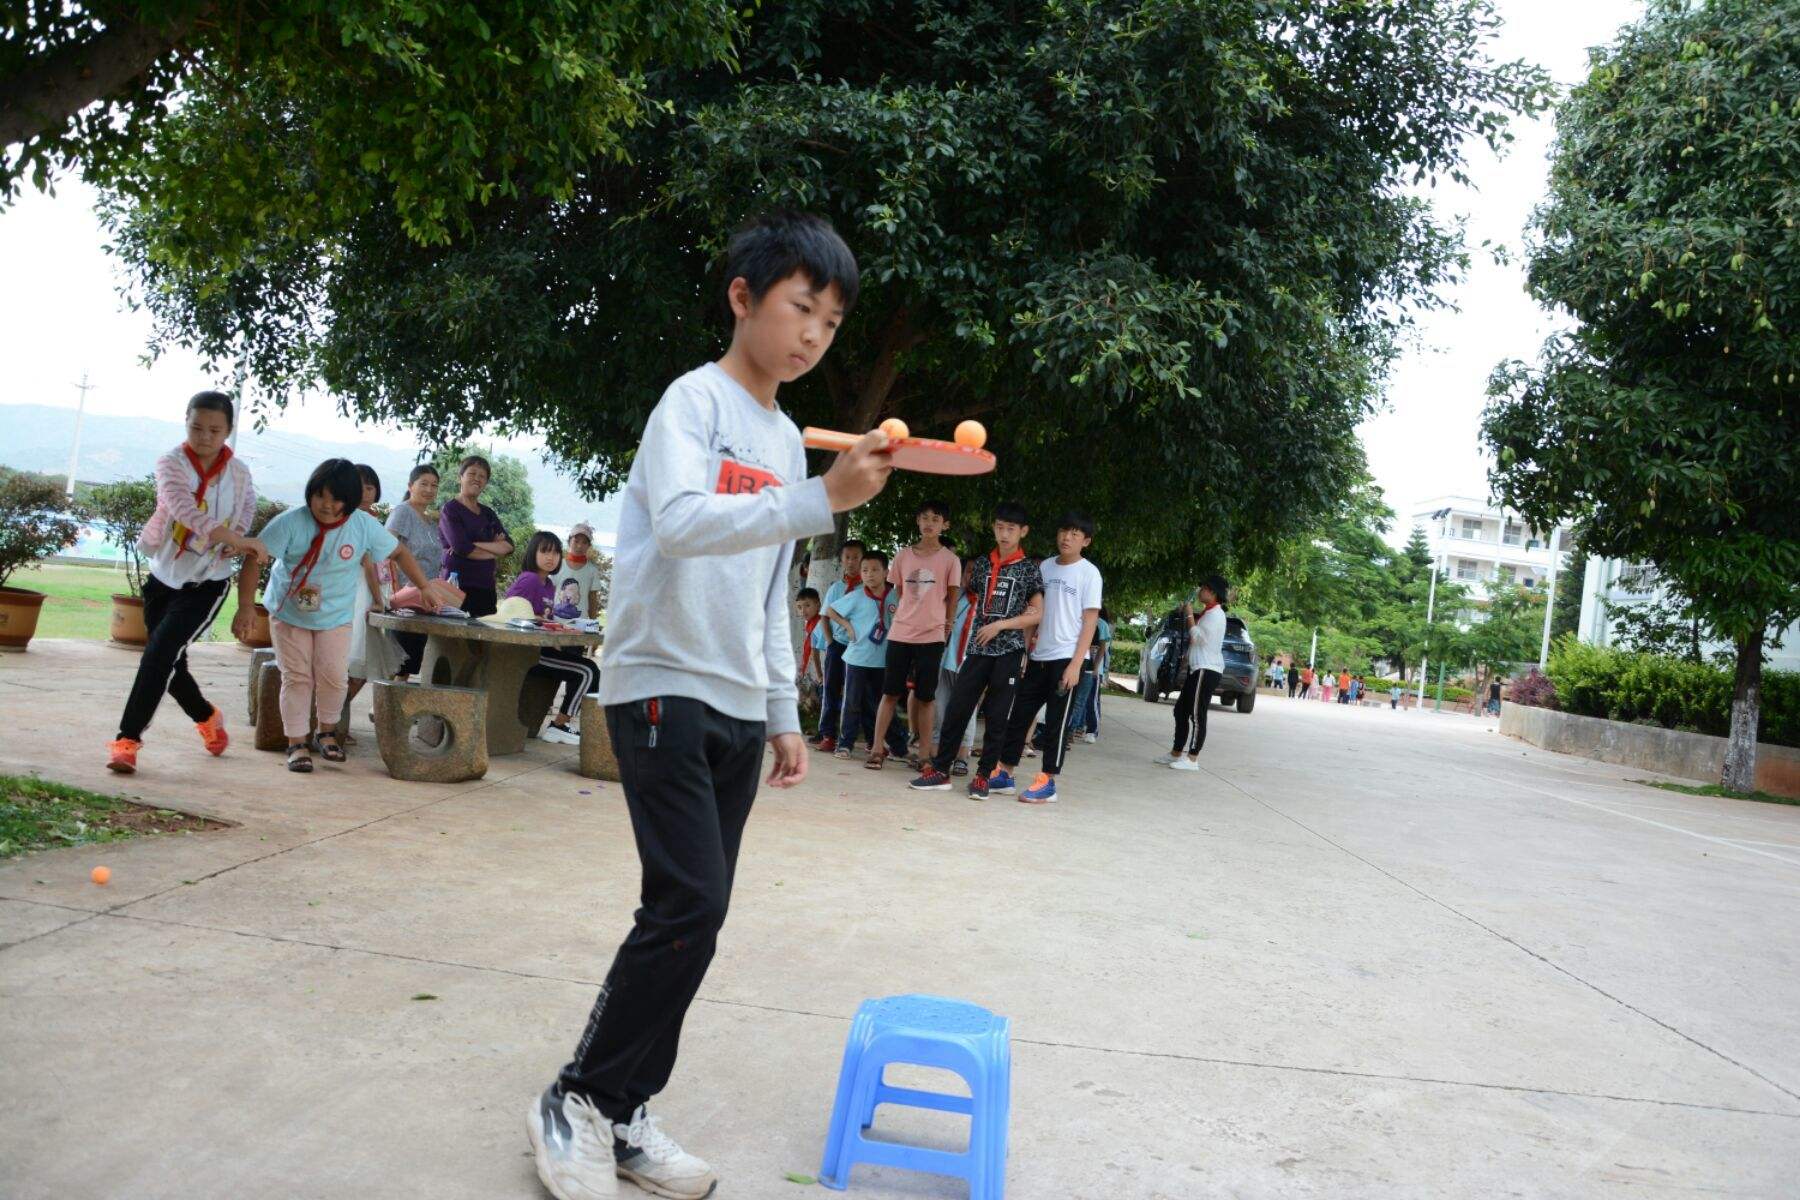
{"points": [[1041, 791], [1001, 783]]}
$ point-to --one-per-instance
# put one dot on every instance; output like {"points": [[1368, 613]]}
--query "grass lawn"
{"points": [[36, 814], [1713, 789], [80, 601]]}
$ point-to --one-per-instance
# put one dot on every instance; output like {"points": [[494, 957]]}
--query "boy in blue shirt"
{"points": [[864, 617], [831, 707], [697, 677]]}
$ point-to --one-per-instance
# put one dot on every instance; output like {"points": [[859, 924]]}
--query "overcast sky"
{"points": [[61, 315]]}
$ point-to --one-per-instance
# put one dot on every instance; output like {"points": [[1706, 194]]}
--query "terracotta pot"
{"points": [[259, 631], [18, 616], [128, 621]]}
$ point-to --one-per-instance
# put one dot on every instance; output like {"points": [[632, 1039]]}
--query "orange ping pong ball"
{"points": [[894, 427], [971, 434], [100, 874]]}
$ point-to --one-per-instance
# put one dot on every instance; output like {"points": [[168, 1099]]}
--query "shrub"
{"points": [[1535, 690], [1126, 657], [34, 522], [123, 509], [1647, 689]]}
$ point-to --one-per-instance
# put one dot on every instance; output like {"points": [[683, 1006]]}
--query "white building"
{"points": [[1611, 583], [1480, 545]]}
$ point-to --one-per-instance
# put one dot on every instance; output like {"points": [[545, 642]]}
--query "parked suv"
{"points": [[1162, 668]]}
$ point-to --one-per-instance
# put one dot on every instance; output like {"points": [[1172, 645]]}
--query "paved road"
{"points": [[1362, 954]]}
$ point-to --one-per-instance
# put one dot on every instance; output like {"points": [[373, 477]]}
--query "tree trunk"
{"points": [[43, 97], [1746, 706]]}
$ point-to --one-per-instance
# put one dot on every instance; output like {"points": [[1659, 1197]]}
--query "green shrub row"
{"points": [[1594, 681]]}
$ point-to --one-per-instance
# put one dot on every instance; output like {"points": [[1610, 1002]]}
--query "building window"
{"points": [[1471, 527], [1639, 579], [1514, 534], [1465, 569], [1507, 572]]}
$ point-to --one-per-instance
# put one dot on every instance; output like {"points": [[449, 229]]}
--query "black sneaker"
{"points": [[978, 788], [930, 780]]}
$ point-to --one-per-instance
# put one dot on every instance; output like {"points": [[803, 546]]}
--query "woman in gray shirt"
{"points": [[417, 528]]}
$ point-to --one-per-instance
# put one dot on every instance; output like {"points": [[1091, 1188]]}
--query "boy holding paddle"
{"points": [[697, 674]]}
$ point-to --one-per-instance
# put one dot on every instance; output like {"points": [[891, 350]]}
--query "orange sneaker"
{"points": [[212, 732], [122, 755]]}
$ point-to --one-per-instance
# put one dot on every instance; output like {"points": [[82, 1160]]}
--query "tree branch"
{"points": [[45, 95], [897, 337]]}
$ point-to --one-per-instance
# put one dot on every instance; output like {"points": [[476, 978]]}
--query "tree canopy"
{"points": [[1162, 248], [1665, 421], [246, 122]]}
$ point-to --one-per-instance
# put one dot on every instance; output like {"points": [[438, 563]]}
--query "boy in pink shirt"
{"points": [[927, 577]]}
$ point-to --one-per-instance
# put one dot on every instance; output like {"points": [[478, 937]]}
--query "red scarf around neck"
{"points": [[207, 475], [806, 652], [310, 559], [995, 563], [576, 560]]}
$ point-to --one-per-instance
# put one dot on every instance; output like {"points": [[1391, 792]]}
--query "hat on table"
{"points": [[512, 608]]}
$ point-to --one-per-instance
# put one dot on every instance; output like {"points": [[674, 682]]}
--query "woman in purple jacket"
{"points": [[473, 538]]}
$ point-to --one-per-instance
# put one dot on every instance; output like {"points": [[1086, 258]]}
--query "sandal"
{"points": [[298, 760], [875, 761], [960, 767], [330, 749]]}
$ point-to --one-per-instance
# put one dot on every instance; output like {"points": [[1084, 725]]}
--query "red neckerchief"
{"points": [[575, 560], [812, 623], [880, 610], [182, 532], [995, 564], [310, 559]]}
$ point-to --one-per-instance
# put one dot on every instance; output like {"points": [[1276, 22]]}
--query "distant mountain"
{"points": [[37, 438]]}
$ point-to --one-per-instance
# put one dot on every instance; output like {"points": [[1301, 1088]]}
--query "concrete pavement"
{"points": [[1361, 954]]}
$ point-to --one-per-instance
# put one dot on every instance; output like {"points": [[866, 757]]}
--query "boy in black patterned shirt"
{"points": [[1007, 590]]}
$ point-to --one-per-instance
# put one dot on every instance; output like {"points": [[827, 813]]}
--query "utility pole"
{"points": [[1549, 603], [84, 387], [1312, 656], [1430, 608]]}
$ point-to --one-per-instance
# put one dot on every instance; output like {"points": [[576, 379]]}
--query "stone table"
{"points": [[463, 652]]}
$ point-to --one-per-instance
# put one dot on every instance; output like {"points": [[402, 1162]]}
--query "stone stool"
{"points": [[460, 725], [597, 758], [265, 704], [257, 659]]}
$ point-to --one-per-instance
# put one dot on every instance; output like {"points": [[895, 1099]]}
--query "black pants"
{"points": [[568, 666], [862, 700], [480, 601], [174, 617], [412, 645], [831, 703], [1293, 685], [996, 676], [1039, 690], [689, 774], [1190, 711]]}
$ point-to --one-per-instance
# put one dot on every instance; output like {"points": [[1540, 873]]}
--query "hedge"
{"points": [[1125, 658], [1593, 681]]}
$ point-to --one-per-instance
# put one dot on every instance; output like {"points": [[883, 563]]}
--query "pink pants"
{"points": [[314, 664]]}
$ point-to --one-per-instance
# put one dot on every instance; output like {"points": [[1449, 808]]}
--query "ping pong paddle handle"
{"points": [[828, 439]]}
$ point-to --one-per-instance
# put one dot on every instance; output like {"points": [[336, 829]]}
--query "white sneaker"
{"points": [[1184, 764], [573, 1144], [1163, 760], [658, 1165], [1090, 738], [556, 733]]}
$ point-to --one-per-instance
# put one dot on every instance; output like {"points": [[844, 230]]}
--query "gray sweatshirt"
{"points": [[716, 498]]}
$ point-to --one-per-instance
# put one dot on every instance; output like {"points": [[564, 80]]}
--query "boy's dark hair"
{"points": [[877, 555], [850, 543], [217, 402], [807, 593], [369, 478], [940, 507], [543, 539], [767, 249], [339, 478], [1220, 588], [474, 460], [1076, 520], [1013, 511]]}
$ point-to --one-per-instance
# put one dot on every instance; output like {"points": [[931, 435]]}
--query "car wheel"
{"points": [[1246, 701]]}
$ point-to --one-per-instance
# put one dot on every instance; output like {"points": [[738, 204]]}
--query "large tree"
{"points": [[1163, 249], [288, 120], [1666, 420]]}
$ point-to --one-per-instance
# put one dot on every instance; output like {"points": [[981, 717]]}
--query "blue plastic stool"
{"points": [[925, 1031]]}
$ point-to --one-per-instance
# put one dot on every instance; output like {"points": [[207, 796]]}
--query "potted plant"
{"points": [[123, 509], [35, 522], [266, 511]]}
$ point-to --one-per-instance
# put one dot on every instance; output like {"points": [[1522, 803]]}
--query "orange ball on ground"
{"points": [[894, 427], [100, 874], [971, 434]]}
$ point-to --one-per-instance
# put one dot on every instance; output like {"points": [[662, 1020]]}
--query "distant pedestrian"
{"points": [[1306, 683], [1493, 704], [1293, 680]]}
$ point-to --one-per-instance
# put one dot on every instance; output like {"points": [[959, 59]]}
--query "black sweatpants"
{"points": [[831, 699], [1039, 690], [1190, 711], [174, 617], [412, 646], [689, 773], [998, 677], [576, 672]]}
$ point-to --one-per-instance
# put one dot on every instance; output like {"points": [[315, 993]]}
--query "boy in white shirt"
{"points": [[1072, 588]]}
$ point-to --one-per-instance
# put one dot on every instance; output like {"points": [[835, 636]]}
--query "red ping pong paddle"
{"points": [[927, 455]]}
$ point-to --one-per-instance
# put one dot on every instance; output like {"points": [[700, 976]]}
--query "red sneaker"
{"points": [[827, 745], [122, 755], [212, 732]]}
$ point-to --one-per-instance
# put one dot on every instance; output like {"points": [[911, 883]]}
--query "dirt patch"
{"points": [[41, 814]]}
